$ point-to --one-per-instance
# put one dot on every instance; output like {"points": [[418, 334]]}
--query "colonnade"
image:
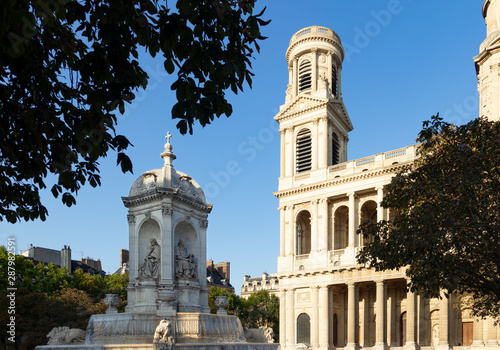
{"points": [[387, 322], [321, 229]]}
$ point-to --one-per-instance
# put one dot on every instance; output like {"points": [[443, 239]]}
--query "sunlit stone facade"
{"points": [[327, 300]]}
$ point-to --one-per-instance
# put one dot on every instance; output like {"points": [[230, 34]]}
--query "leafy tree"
{"points": [[447, 232], [68, 66], [117, 284], [213, 293]]}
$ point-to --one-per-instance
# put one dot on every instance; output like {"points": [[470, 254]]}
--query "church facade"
{"points": [[327, 300]]}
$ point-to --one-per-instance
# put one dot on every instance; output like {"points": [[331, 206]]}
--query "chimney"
{"points": [[66, 258], [223, 268], [123, 256]]}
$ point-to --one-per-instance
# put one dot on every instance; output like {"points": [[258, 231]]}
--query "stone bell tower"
{"points": [[488, 63], [314, 123], [167, 215]]}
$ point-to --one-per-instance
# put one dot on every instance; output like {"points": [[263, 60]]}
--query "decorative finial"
{"points": [[168, 156]]}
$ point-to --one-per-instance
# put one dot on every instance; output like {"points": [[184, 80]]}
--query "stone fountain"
{"points": [[167, 291]]}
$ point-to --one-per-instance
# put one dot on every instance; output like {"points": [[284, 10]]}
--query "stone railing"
{"points": [[402, 155]]}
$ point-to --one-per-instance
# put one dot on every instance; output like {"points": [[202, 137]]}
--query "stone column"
{"points": [[329, 64], [411, 329], [324, 318], [289, 156], [380, 197], [283, 158], [314, 316], [283, 321], [478, 333], [444, 308], [314, 226], [314, 70], [391, 322], [352, 219], [295, 84], [492, 332], [290, 231], [323, 228], [282, 230], [381, 317], [339, 82], [290, 318], [352, 317], [341, 335], [315, 144], [323, 162]]}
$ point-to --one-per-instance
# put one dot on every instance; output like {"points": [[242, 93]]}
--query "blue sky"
{"points": [[405, 61]]}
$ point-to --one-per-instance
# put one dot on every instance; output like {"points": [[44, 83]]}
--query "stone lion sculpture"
{"points": [[65, 335], [260, 335], [163, 338]]}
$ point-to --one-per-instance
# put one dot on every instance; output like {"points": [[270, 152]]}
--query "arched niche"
{"points": [[341, 228], [303, 231], [368, 214], [150, 229], [186, 248]]}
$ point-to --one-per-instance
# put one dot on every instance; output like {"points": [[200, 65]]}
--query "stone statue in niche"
{"points": [[184, 262], [150, 268]]}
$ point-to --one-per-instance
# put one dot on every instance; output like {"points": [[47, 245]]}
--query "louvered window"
{"points": [[305, 76], [335, 149], [334, 80], [304, 149]]}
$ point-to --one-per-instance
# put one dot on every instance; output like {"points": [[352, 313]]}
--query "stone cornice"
{"points": [[316, 38], [160, 193], [330, 183]]}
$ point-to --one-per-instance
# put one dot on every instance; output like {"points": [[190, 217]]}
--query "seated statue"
{"points": [[150, 268], [185, 266]]}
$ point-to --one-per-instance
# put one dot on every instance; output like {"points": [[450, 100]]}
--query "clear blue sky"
{"points": [[405, 61]]}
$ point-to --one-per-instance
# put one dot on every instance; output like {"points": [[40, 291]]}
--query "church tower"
{"points": [[314, 123], [488, 63]]}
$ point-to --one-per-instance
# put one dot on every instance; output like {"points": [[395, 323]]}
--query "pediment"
{"points": [[301, 105]]}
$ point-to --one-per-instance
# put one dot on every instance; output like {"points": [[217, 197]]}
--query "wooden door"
{"points": [[467, 333]]}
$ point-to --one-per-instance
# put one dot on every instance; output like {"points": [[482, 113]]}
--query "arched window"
{"points": [[335, 149], [334, 79], [303, 329], [303, 233], [368, 214], [305, 76], [341, 228], [304, 150]]}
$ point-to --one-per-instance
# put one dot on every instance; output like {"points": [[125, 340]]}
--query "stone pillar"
{"points": [[314, 226], [381, 317], [380, 210], [282, 230], [329, 64], [478, 333], [314, 316], [295, 85], [391, 322], [283, 158], [444, 310], [323, 227], [290, 232], [339, 82], [341, 335], [283, 321], [314, 70], [324, 318], [290, 318], [289, 156], [411, 324], [323, 162], [315, 144], [352, 219], [492, 332], [352, 317]]}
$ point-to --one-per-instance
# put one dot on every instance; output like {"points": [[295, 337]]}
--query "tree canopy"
{"points": [[447, 231], [68, 66]]}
